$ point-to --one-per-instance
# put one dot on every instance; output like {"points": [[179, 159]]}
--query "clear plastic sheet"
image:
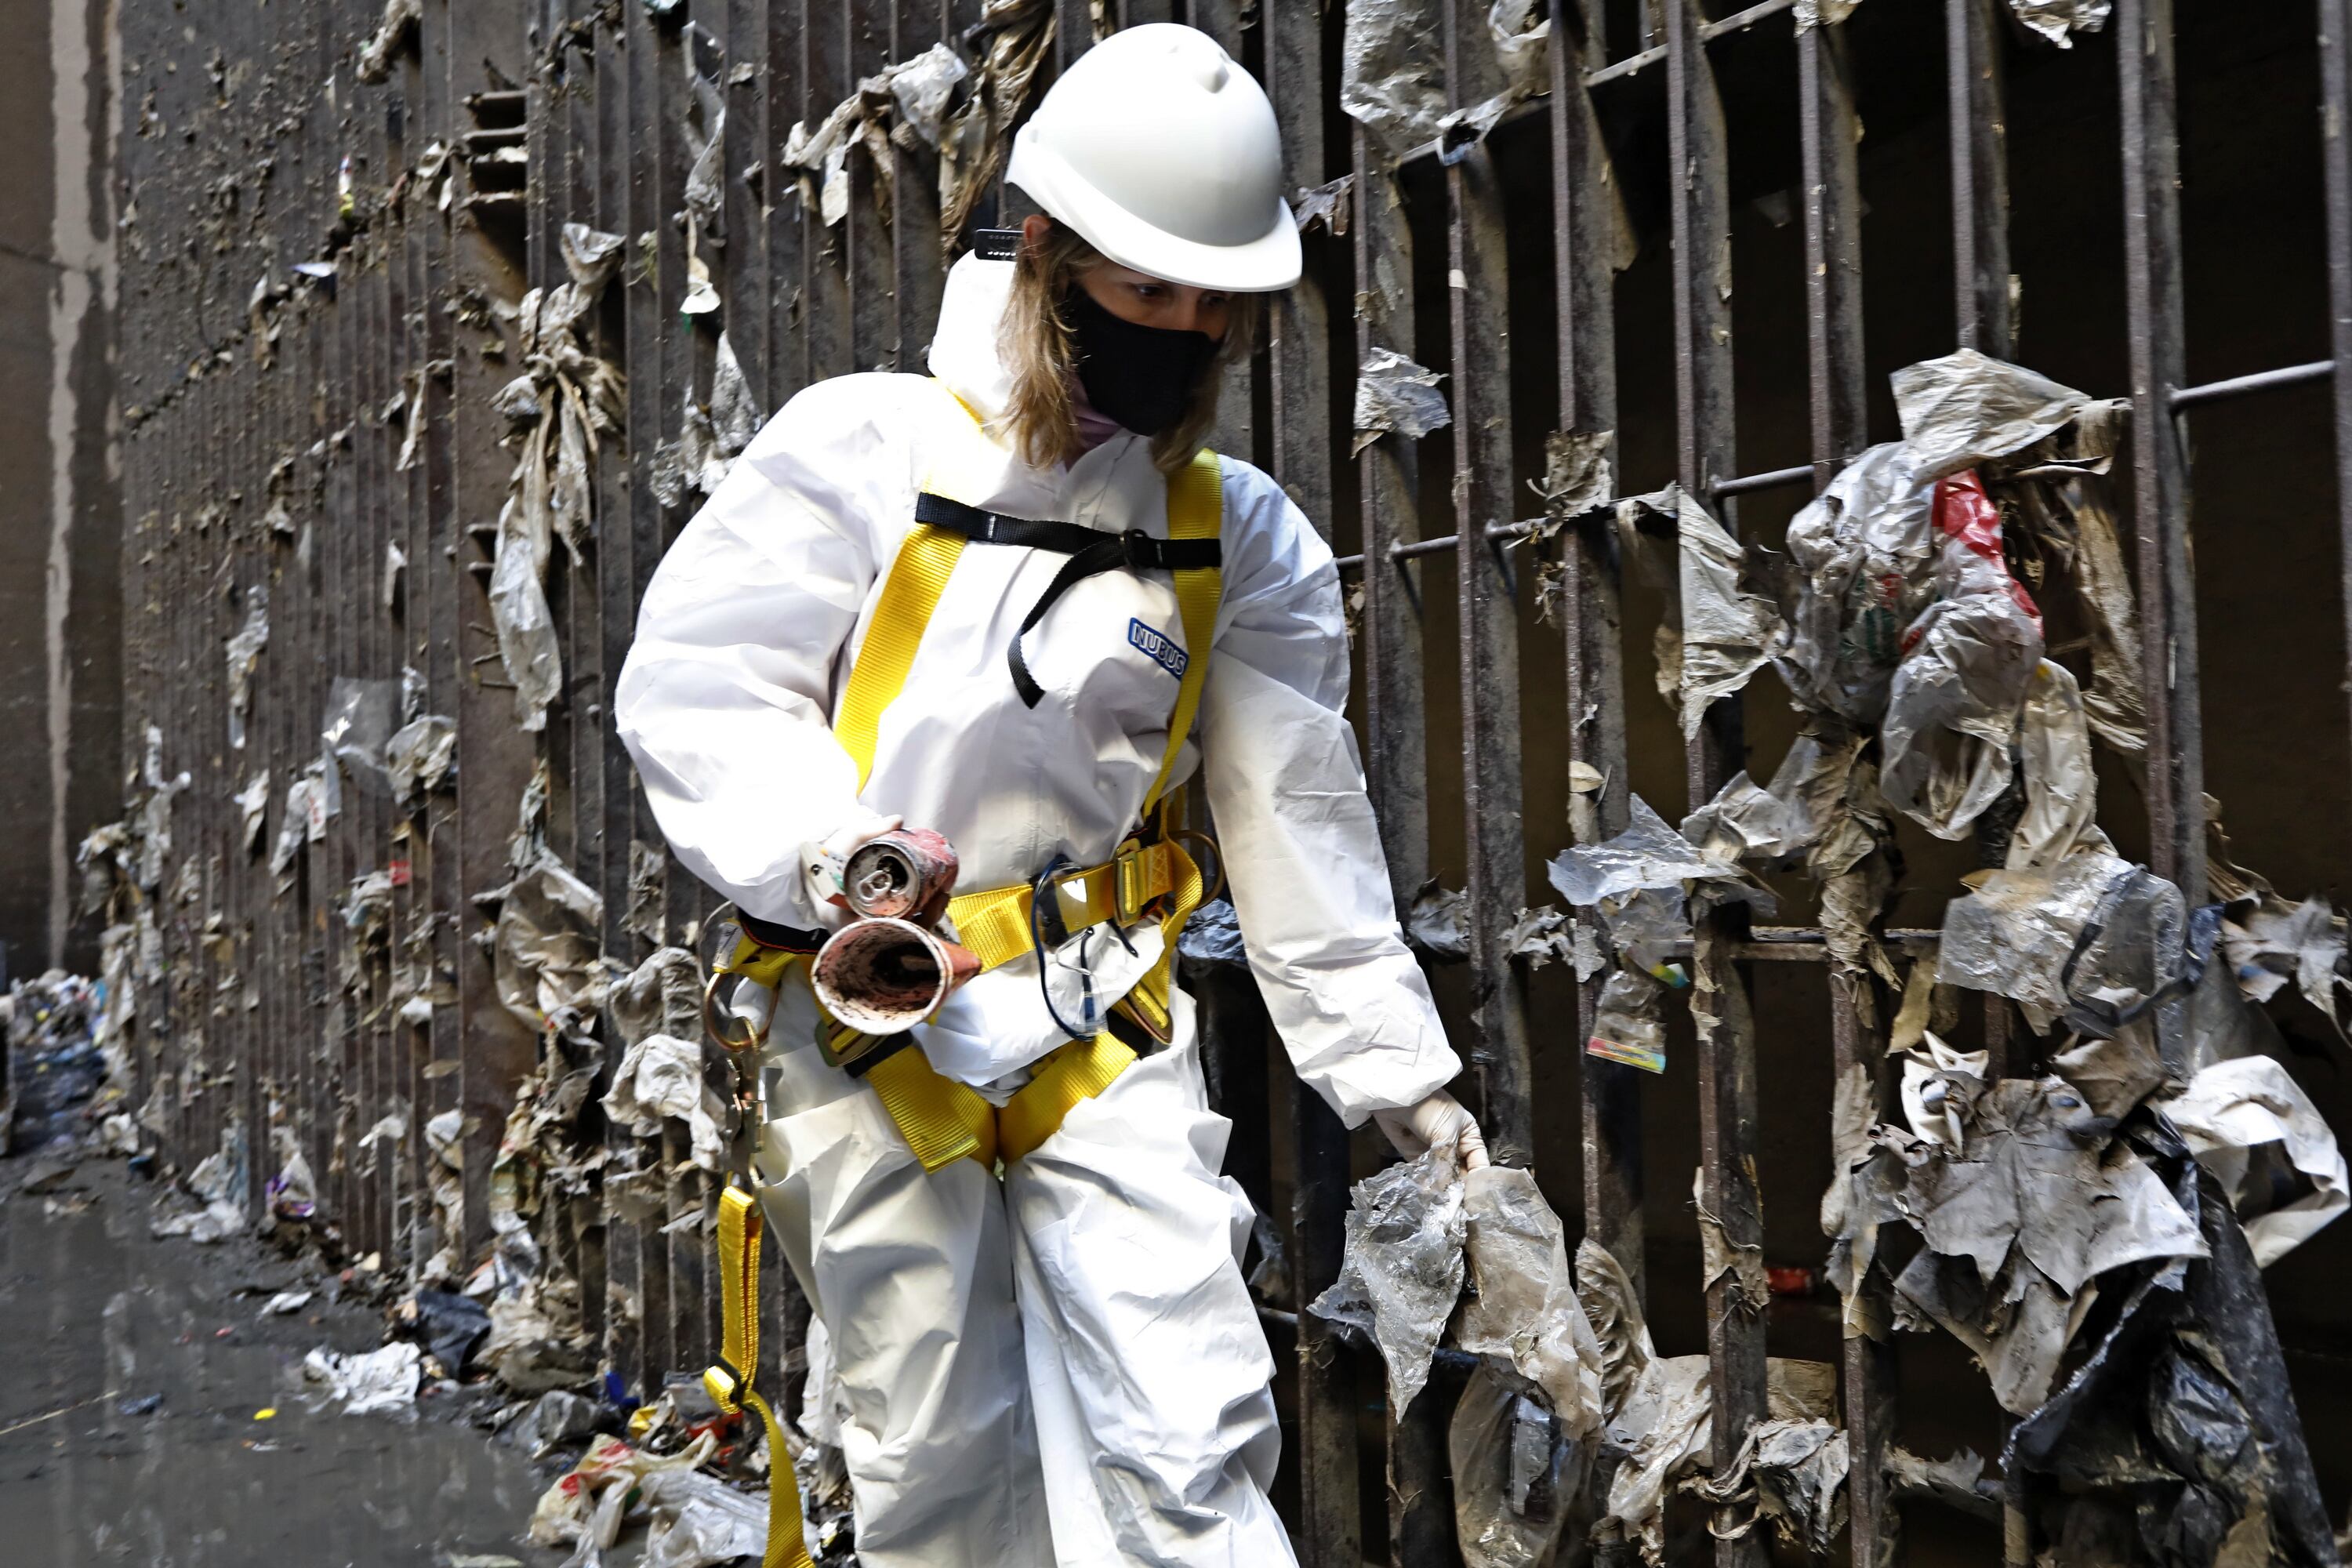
{"points": [[2132, 955], [358, 725], [1727, 632], [1523, 1313], [1630, 1024], [2054, 755], [545, 948], [1394, 395], [1636, 882], [1401, 1270], [421, 758], [1514, 1476]]}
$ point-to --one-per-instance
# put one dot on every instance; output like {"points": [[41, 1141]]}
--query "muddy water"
{"points": [[96, 1317]]}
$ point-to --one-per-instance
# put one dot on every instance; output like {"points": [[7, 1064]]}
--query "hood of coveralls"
{"points": [[964, 351]]}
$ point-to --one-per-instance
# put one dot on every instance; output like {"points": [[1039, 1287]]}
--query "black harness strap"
{"points": [[1091, 553]]}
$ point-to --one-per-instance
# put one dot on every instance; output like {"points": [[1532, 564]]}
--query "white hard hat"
{"points": [[1164, 155]]}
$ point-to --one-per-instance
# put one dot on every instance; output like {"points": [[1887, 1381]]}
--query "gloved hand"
{"points": [[822, 862], [1438, 1119]]}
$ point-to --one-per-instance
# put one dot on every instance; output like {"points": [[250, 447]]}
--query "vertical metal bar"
{"points": [[916, 272], [1585, 237], [1494, 839], [783, 86], [1705, 452], [865, 232], [617, 505], [1831, 132], [1396, 734], [647, 393], [1979, 152], [1297, 356], [2168, 587], [2336, 155], [498, 1049]]}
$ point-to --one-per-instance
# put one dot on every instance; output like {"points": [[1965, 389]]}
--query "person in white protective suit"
{"points": [[957, 601]]}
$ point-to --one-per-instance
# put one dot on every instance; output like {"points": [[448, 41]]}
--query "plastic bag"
{"points": [[1401, 1270]]}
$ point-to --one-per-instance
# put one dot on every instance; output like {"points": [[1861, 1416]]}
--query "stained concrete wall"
{"points": [[60, 507]]}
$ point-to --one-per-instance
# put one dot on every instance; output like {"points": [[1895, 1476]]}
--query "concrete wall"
{"points": [[60, 507]]}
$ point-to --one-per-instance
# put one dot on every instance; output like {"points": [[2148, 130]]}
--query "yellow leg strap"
{"points": [[942, 1120], [729, 1382], [1071, 1075]]}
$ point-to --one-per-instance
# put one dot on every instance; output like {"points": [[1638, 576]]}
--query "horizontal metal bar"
{"points": [[2261, 380], [1738, 21], [1747, 484]]}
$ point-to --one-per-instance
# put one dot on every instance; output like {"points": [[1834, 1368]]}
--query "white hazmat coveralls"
{"points": [[1064, 1367]]}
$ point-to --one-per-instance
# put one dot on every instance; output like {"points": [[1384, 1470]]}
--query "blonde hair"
{"points": [[1035, 342]]}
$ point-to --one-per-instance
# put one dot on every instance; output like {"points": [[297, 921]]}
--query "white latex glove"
{"points": [[1438, 1119], [822, 862]]}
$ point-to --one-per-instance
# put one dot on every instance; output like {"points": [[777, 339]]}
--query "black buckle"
{"points": [[1141, 549]]}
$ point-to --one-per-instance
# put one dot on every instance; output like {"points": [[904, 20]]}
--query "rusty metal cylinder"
{"points": [[881, 976]]}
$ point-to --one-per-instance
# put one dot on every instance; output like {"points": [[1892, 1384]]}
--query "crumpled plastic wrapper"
{"points": [[2061, 791], [1630, 1023], [2250, 1124], [1214, 935], [661, 1075], [253, 807], [1437, 924], [1717, 632], [2275, 940], [1862, 553], [1392, 72], [217, 1187], [711, 435], [914, 92], [244, 650], [1394, 395], [564, 398], [1330, 204], [2175, 1441], [1401, 1267], [421, 758], [1638, 884], [2056, 19], [1771, 826], [363, 1385], [2015, 935], [1793, 1472], [546, 947], [2023, 1196], [1961, 409], [1967, 663]]}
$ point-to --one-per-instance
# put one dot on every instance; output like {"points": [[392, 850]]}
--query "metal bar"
{"points": [[2335, 157], [2260, 380], [1584, 224], [2151, 156], [1831, 133], [1980, 154], [1396, 750], [1698, 163]]}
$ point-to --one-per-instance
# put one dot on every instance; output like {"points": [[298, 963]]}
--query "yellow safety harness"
{"points": [[941, 1119]]}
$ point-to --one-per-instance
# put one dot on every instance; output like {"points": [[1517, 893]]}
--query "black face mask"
{"points": [[1141, 376]]}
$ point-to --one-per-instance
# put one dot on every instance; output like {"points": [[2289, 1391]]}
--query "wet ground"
{"points": [[132, 1372]]}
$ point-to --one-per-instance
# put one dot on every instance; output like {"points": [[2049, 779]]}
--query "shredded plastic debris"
{"points": [[1438, 923], [2252, 1125], [244, 650], [1392, 72], [1011, 41], [547, 945], [217, 1188], [1396, 397], [564, 399], [662, 1075], [1523, 1311], [421, 758], [1401, 1270], [364, 1385], [2057, 20], [1792, 1473]]}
